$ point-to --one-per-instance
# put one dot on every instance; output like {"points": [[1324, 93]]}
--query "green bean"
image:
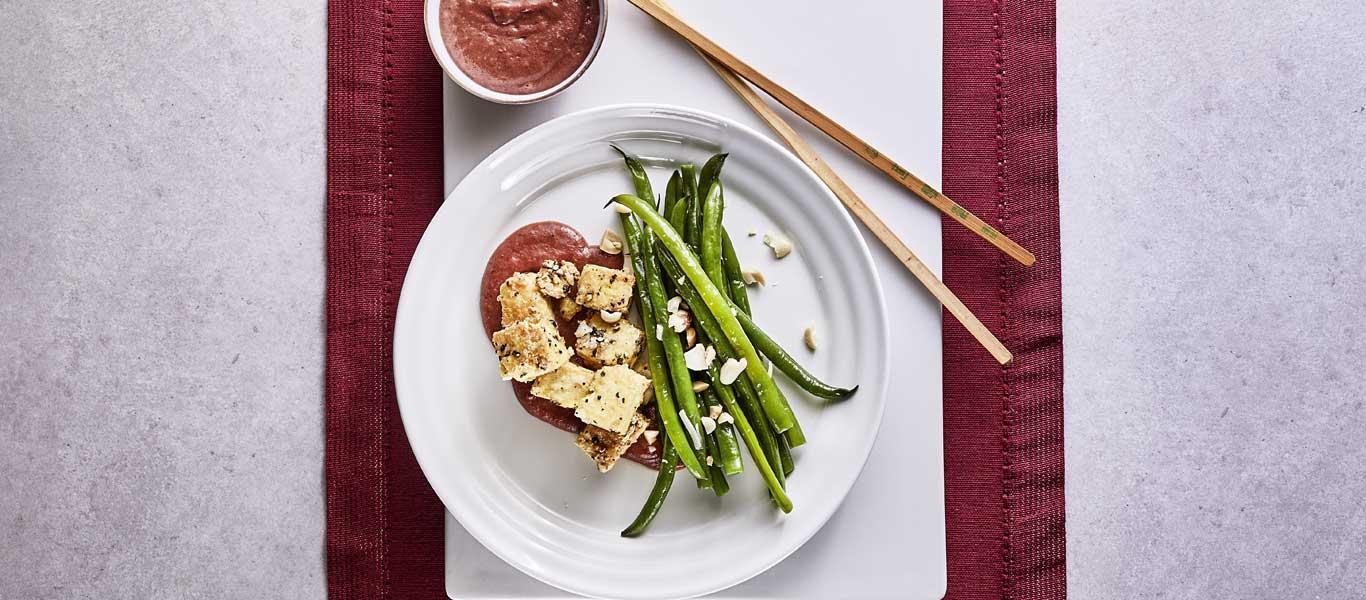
{"points": [[689, 171], [639, 242], [730, 263], [648, 275], [639, 179], [712, 298], [654, 355], [711, 172], [664, 480], [706, 323], [719, 485], [671, 192], [780, 414], [788, 365], [678, 216], [785, 455], [728, 447], [710, 239]]}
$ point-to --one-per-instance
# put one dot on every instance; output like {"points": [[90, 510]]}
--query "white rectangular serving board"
{"points": [[875, 67]]}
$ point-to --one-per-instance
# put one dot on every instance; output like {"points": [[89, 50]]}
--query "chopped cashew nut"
{"points": [[779, 243], [731, 370], [700, 386], [673, 304], [753, 276], [809, 337], [611, 242], [725, 418], [679, 321], [699, 357], [621, 208], [691, 337], [714, 412], [650, 436], [708, 424], [659, 332], [710, 460]]}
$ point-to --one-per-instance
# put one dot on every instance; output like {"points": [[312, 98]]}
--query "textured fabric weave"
{"points": [[1003, 427], [1003, 444]]}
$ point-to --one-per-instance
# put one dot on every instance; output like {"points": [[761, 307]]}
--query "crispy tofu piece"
{"points": [[600, 343], [613, 396], [521, 300], [528, 349], [557, 279], [569, 308], [606, 447], [565, 386], [601, 288]]}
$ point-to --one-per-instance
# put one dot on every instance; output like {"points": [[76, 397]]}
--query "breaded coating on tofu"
{"points": [[528, 349], [565, 386], [605, 447], [557, 279], [521, 300], [601, 288], [569, 308], [599, 343], [613, 396]]}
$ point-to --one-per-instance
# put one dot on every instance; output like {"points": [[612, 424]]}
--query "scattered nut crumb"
{"points": [[621, 208], [731, 370], [690, 337], [611, 242], [650, 436], [673, 304], [753, 276], [809, 337], [680, 320], [709, 461], [609, 316], [779, 243], [659, 332], [699, 357], [708, 425]]}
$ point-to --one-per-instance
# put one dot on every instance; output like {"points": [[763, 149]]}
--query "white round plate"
{"points": [[520, 486]]}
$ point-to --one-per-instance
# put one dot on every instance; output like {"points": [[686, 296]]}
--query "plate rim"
{"points": [[864, 256]]}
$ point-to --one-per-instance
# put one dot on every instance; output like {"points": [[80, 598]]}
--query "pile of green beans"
{"points": [[678, 246]]}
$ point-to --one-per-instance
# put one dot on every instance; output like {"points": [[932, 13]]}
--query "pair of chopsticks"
{"points": [[732, 70]]}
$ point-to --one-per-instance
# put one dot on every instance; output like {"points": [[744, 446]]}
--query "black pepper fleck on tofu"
{"points": [[613, 382], [528, 349], [601, 343], [601, 288]]}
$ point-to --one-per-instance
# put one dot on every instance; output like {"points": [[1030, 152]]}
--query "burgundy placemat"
{"points": [[1003, 445], [1003, 427]]}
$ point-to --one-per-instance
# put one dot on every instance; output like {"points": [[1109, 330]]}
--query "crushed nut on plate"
{"points": [[611, 242]]}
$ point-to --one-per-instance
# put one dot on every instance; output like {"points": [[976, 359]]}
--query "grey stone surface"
{"points": [[161, 270], [161, 280], [1214, 289]]}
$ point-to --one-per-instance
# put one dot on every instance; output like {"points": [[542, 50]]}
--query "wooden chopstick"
{"points": [[855, 205], [836, 131]]}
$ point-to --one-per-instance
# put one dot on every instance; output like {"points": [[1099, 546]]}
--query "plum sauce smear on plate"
{"points": [[644, 344]]}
